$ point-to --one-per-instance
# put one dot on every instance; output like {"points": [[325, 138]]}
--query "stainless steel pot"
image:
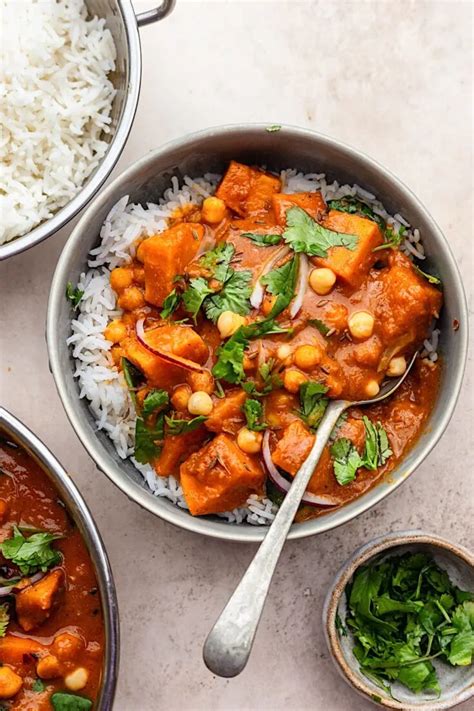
{"points": [[17, 432], [123, 24], [210, 151]]}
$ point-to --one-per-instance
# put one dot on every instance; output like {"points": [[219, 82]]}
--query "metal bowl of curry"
{"points": [[232, 281], [59, 634]]}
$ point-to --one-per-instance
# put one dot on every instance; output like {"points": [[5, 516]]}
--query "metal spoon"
{"points": [[229, 643]]}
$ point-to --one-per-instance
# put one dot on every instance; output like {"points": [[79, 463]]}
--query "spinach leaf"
{"points": [[263, 240], [74, 295], [179, 427], [31, 554], [253, 411], [312, 402], [170, 304], [70, 702], [304, 234]]}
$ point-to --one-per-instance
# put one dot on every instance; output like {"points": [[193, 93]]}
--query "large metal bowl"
{"points": [[210, 150], [17, 432], [123, 24]]}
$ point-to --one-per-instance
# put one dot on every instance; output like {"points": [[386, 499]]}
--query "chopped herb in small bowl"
{"points": [[399, 621]]}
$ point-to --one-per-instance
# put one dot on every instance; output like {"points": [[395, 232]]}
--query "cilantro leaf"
{"points": [[320, 325], [70, 702], [148, 439], [356, 207], [312, 402], [234, 296], [281, 282], [430, 277], [270, 381], [179, 427], [218, 260], [38, 686], [253, 411], [195, 294], [377, 448], [304, 234], [263, 240], [4, 619], [155, 401], [170, 304], [31, 554], [133, 377], [346, 460], [74, 295]]}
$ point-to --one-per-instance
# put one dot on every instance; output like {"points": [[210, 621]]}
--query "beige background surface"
{"points": [[393, 79]]}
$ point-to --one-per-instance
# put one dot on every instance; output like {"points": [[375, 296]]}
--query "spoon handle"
{"points": [[228, 645]]}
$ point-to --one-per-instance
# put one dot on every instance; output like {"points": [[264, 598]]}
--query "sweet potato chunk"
{"points": [[220, 477], [352, 266], [14, 649], [176, 448], [165, 255], [227, 415], [247, 191], [293, 447], [312, 203], [35, 603], [180, 340]]}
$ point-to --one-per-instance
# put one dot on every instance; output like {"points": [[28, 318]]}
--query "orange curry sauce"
{"points": [[220, 464], [56, 624]]}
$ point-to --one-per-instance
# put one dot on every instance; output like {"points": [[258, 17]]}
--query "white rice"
{"points": [[56, 102], [100, 381]]}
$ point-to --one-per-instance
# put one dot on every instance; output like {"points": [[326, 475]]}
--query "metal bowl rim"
{"points": [[178, 516], [33, 445], [93, 183]]}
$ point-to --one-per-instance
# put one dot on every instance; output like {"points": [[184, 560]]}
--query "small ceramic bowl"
{"points": [[457, 683]]}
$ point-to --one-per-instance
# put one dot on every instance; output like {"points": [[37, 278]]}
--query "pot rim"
{"points": [[172, 514], [21, 434], [93, 184]]}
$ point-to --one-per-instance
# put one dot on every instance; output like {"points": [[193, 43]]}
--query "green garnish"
{"points": [[38, 686], [229, 365], [218, 260], [170, 304], [430, 277], [155, 401], [31, 554], [320, 325], [392, 239], [281, 282], [4, 619], [356, 207], [404, 612], [347, 459], [262, 240], [234, 296], [74, 295], [270, 381], [133, 377], [179, 427], [148, 439], [195, 295], [70, 702], [341, 628], [304, 234], [253, 411], [312, 402], [273, 128]]}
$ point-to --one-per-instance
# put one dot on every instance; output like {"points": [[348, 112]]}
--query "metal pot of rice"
{"points": [[136, 205], [71, 73]]}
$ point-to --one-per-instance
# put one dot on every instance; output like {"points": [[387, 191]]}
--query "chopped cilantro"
{"points": [[74, 295], [430, 277], [281, 282], [195, 294], [304, 234], [148, 439], [261, 239], [133, 377], [170, 304], [312, 402], [179, 427], [38, 686], [320, 325], [234, 296], [70, 702], [31, 554], [356, 207], [218, 260], [270, 381], [347, 459], [253, 411], [155, 401]]}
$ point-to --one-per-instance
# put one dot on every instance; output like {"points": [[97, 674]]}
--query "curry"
{"points": [[51, 622], [245, 316]]}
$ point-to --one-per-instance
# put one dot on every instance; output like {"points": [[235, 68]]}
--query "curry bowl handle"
{"points": [[158, 13]]}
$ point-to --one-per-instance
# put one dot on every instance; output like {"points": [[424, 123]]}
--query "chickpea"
{"points": [[132, 298], [10, 683], [48, 667], [121, 278], [361, 324], [249, 441], [213, 210], [76, 680], [67, 646], [396, 367], [228, 323], [116, 331], [307, 357], [201, 382], [200, 403], [284, 352], [180, 398], [372, 388], [322, 280], [293, 379]]}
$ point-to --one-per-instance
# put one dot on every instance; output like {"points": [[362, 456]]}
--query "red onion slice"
{"points": [[258, 292], [166, 355], [302, 285], [283, 485]]}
